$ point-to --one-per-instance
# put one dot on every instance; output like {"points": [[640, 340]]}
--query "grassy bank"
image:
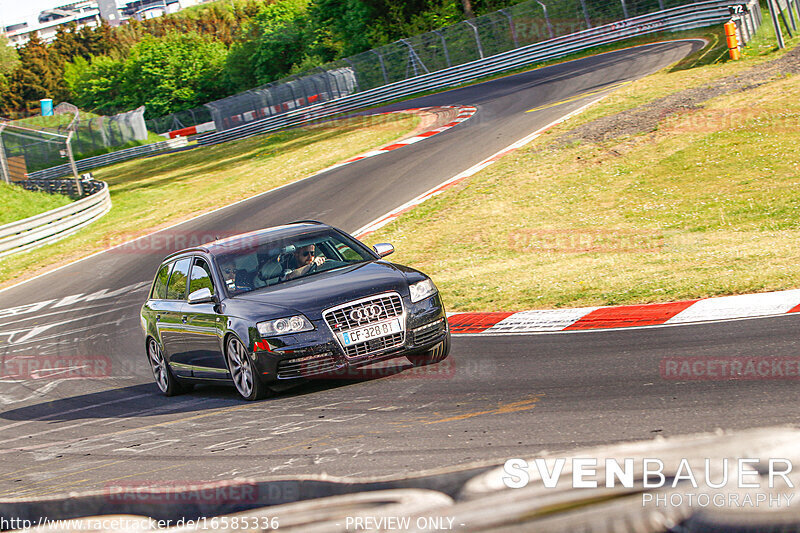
{"points": [[16, 203], [156, 192], [708, 204]]}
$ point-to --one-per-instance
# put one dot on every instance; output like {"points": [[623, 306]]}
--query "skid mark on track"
{"points": [[72, 300], [514, 407], [581, 96]]}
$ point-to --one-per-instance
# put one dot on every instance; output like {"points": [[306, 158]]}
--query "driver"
{"points": [[228, 273], [301, 262]]}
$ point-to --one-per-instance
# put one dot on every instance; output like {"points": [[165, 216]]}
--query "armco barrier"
{"points": [[739, 481], [700, 14], [110, 158], [54, 225]]}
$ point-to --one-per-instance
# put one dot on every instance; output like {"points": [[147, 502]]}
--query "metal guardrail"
{"points": [[67, 187], [56, 224], [109, 158], [477, 496], [686, 17]]}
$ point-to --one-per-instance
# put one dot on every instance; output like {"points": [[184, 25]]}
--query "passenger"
{"points": [[301, 262]]}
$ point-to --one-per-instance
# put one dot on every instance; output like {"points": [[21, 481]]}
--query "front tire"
{"points": [[167, 383], [436, 354], [243, 372]]}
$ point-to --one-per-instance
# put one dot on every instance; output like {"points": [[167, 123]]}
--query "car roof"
{"points": [[253, 238]]}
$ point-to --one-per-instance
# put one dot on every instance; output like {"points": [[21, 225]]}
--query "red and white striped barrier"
{"points": [[190, 130], [626, 316]]}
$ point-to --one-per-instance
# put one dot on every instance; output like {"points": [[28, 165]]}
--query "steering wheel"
{"points": [[313, 267]]}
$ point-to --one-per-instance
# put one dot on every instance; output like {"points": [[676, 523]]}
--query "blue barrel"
{"points": [[47, 107]]}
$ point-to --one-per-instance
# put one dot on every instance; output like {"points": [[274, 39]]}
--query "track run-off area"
{"points": [[496, 397]]}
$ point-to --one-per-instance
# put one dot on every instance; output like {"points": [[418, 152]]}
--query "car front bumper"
{"points": [[318, 353]]}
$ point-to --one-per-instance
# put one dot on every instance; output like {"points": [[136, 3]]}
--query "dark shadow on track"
{"points": [[144, 400]]}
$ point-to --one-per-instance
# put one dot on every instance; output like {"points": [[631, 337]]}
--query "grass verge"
{"points": [[16, 203], [148, 194], [706, 205]]}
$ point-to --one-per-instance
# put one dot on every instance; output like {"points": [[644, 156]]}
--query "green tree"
{"points": [[176, 72], [38, 75], [96, 84], [9, 58], [282, 39]]}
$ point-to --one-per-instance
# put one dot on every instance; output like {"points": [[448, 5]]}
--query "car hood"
{"points": [[310, 295]]}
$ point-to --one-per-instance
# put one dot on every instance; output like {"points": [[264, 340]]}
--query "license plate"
{"points": [[373, 331]]}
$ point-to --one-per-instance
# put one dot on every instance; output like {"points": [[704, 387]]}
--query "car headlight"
{"points": [[284, 326], [422, 290]]}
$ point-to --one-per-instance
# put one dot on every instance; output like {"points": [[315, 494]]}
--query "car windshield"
{"points": [[246, 265]]}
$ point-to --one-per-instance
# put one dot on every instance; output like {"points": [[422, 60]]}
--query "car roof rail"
{"points": [[308, 222], [193, 249]]}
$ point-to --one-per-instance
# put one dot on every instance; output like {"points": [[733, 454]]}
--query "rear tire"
{"points": [[167, 383], [243, 373], [436, 354]]}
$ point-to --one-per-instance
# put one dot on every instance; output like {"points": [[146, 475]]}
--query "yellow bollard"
{"points": [[733, 42]]}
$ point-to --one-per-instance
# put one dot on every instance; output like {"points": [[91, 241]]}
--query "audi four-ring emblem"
{"points": [[368, 312]]}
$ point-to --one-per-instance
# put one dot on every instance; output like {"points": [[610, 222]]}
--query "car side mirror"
{"points": [[201, 296], [383, 249]]}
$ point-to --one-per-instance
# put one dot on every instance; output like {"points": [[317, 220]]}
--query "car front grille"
{"points": [[310, 365], [374, 346], [429, 332], [341, 319], [360, 313]]}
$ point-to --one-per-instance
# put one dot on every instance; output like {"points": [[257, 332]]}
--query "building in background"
{"points": [[91, 13], [81, 13], [109, 12]]}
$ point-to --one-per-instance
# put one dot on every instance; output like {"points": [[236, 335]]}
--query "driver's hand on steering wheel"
{"points": [[318, 260]]}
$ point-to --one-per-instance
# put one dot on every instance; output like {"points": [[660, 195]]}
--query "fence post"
{"points": [[776, 24], [547, 20], [661, 5], [72, 166], [511, 27], [624, 9], [302, 88], [444, 47], [477, 37], [414, 58], [383, 67], [3, 161], [586, 15], [791, 14], [785, 23], [796, 7]]}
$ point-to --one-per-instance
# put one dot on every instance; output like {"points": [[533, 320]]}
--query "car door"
{"points": [[172, 320], [203, 329]]}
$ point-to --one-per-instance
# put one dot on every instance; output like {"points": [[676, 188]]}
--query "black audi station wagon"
{"points": [[297, 301]]}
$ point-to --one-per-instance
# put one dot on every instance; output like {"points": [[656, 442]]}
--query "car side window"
{"points": [[160, 284], [201, 276], [348, 253], [176, 289]]}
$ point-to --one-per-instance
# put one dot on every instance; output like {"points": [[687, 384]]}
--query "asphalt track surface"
{"points": [[495, 398]]}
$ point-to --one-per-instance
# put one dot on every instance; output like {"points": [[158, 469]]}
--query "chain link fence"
{"points": [[179, 120], [28, 146], [513, 27]]}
